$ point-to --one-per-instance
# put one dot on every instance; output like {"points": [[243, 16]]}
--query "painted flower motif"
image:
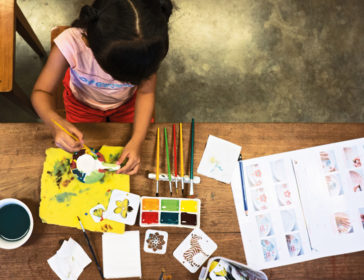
{"points": [[258, 173], [287, 194], [357, 162], [155, 241], [263, 198]]}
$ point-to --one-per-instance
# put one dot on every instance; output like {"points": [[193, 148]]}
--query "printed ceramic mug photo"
{"points": [[16, 223]]}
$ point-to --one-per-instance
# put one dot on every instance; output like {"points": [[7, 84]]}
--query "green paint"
{"points": [[84, 190], [94, 177], [66, 196], [61, 167], [114, 158], [170, 204], [169, 218]]}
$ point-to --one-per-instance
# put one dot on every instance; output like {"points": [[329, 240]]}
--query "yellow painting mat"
{"points": [[63, 197]]}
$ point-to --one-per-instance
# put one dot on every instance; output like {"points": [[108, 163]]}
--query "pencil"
{"points": [[157, 167], [181, 156], [74, 137], [168, 165], [242, 184], [175, 157], [92, 250], [191, 194]]}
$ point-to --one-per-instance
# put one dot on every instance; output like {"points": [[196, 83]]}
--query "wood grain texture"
{"points": [[7, 44], [22, 149]]}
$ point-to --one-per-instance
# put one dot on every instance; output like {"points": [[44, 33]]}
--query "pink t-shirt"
{"points": [[89, 83]]}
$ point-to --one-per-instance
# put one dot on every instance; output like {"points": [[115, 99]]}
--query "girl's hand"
{"points": [[131, 153], [63, 140]]}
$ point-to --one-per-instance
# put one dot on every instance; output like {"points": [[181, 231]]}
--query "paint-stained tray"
{"points": [[169, 212]]}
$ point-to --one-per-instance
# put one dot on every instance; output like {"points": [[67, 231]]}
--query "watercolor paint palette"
{"points": [[169, 212]]}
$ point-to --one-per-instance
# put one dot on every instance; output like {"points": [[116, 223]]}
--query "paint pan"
{"points": [[170, 212]]}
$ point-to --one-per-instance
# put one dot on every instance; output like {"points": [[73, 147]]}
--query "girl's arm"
{"points": [[144, 106], [43, 100]]}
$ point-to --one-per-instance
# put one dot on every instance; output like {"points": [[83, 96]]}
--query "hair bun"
{"points": [[89, 14], [167, 7]]}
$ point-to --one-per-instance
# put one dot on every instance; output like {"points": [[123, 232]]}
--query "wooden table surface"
{"points": [[22, 149]]}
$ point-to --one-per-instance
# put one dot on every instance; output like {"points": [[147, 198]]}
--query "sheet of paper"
{"points": [[302, 205], [121, 255], [218, 159]]}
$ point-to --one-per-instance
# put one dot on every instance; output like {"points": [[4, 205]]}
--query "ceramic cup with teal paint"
{"points": [[16, 223]]}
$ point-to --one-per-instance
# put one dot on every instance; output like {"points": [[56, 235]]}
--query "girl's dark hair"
{"points": [[129, 38]]}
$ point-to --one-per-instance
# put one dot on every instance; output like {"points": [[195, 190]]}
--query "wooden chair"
{"points": [[11, 20], [59, 92]]}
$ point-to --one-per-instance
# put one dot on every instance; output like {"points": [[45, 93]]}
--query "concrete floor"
{"points": [[239, 60]]}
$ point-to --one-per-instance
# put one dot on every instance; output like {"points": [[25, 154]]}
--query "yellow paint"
{"points": [[150, 204], [61, 204], [189, 206]]}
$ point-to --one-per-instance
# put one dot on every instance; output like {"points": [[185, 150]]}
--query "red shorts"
{"points": [[77, 112]]}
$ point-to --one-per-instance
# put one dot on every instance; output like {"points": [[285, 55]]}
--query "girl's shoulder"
{"points": [[71, 44], [71, 36]]}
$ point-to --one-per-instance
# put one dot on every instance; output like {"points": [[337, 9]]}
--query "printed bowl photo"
{"points": [[254, 175], [294, 244], [284, 194], [334, 185], [289, 220], [270, 250], [264, 225], [278, 170], [260, 199]]}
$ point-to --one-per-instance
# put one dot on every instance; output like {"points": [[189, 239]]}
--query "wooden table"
{"points": [[12, 19], [22, 149]]}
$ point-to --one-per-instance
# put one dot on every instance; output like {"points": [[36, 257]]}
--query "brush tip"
{"points": [[78, 218]]}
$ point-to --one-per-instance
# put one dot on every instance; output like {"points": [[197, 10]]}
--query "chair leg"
{"points": [[19, 98], [26, 31]]}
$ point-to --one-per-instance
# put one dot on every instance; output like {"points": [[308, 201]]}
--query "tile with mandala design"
{"points": [[155, 241]]}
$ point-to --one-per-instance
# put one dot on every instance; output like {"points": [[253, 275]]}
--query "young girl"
{"points": [[108, 58]]}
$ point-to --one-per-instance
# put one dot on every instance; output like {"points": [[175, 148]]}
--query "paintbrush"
{"points": [[157, 167], [74, 137], [168, 165], [161, 276], [181, 157], [92, 250], [191, 193], [175, 158]]}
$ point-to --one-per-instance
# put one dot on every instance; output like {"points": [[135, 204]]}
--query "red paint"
{"points": [[150, 218], [73, 165], [174, 150]]}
